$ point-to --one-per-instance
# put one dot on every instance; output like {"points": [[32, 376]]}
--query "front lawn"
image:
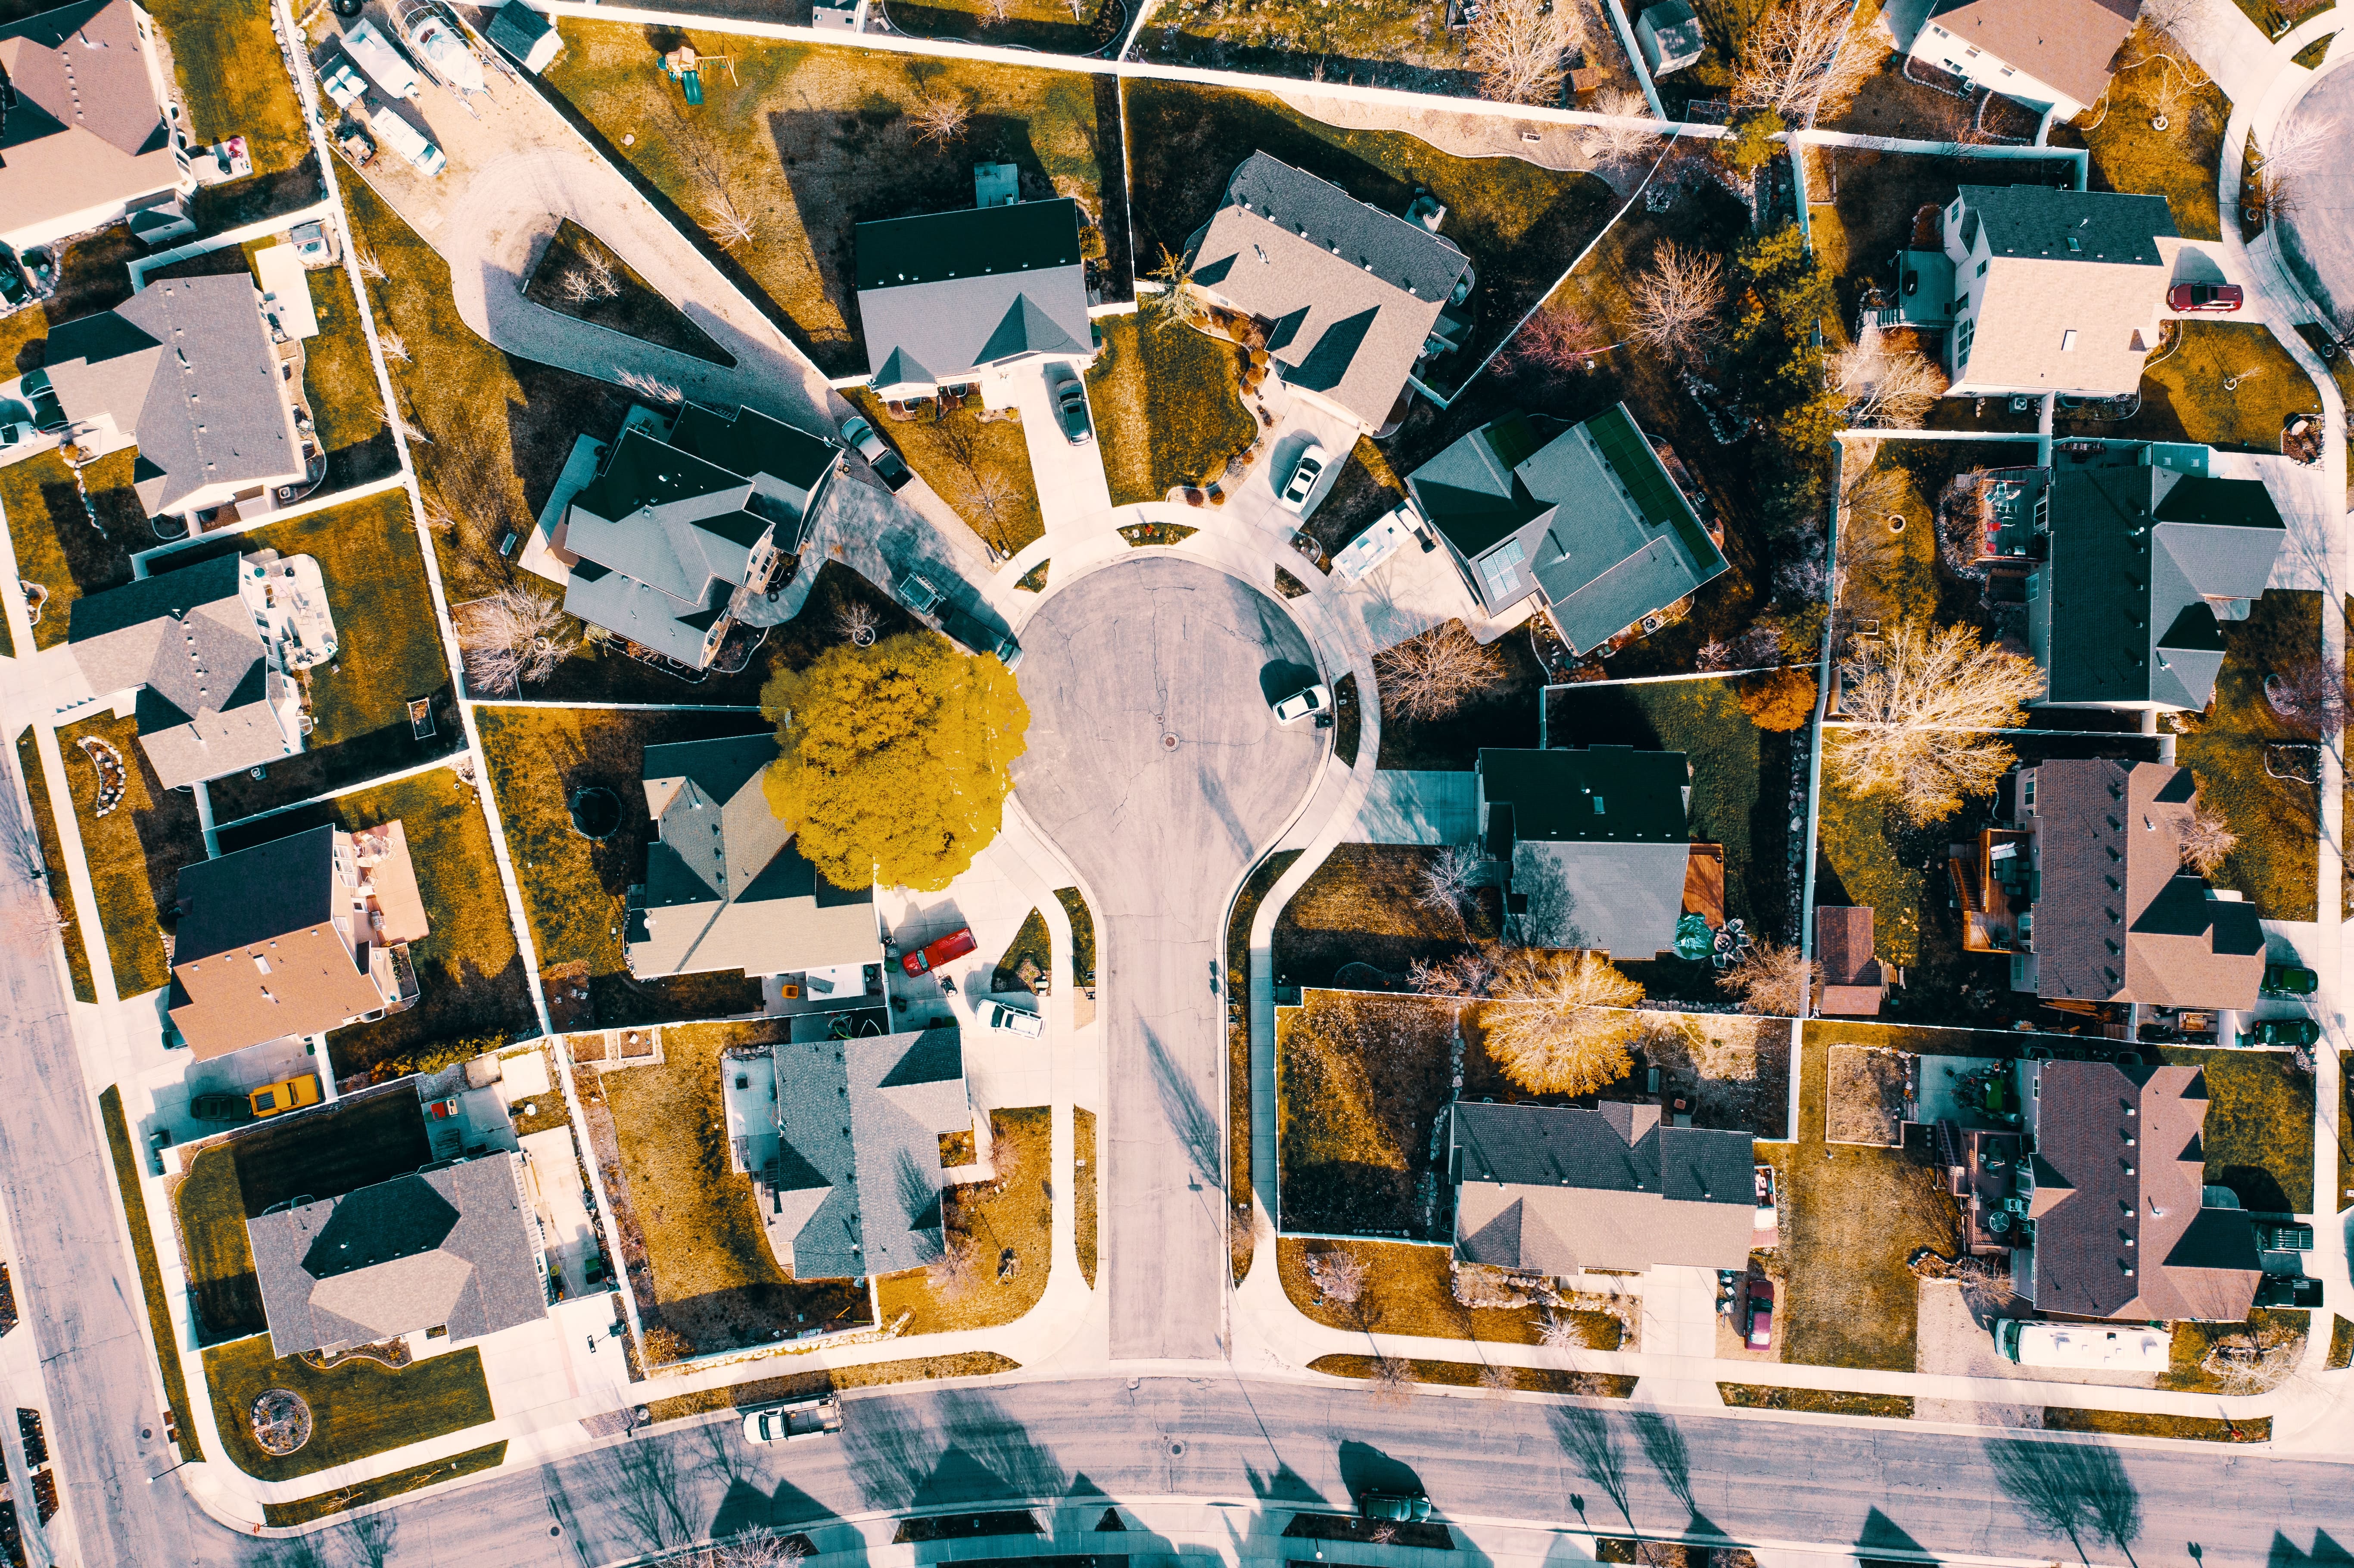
{"points": [[1520, 225], [358, 1408], [2279, 821], [715, 1283], [570, 886], [57, 544], [151, 1273], [2221, 383], [1013, 1214], [2128, 153], [1363, 908], [1409, 1290], [812, 139], [2258, 1135], [60, 879], [469, 969], [979, 466], [1167, 408], [233, 78], [1361, 1083], [135, 850]]}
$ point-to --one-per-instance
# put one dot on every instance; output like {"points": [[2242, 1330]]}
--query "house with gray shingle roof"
{"points": [[1351, 297], [848, 1144], [725, 887], [1552, 1190], [678, 539], [84, 137], [947, 298], [1587, 523], [1594, 843], [451, 1248]]}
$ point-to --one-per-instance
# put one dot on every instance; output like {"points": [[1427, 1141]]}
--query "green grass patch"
{"points": [[61, 876], [2133, 1424], [233, 78], [2221, 383], [2128, 153], [134, 852], [2276, 860], [1819, 1401], [980, 467], [1167, 411], [470, 968], [151, 1273], [358, 1408], [1035, 579], [360, 1494], [1032, 944], [2258, 1136], [1083, 933], [57, 544], [573, 890]]}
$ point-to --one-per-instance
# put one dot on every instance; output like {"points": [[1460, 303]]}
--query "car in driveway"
{"points": [[2215, 297], [868, 443], [2289, 1032], [288, 1094], [1302, 703], [17, 436], [221, 1107], [1007, 1019], [2288, 980], [1395, 1507], [1070, 404], [1758, 1315], [1293, 496], [791, 1422], [925, 959]]}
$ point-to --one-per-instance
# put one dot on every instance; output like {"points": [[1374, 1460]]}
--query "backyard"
{"points": [[2221, 383], [469, 969], [2258, 1135], [1054, 27], [2235, 751], [135, 850], [1385, 43], [1359, 919], [1167, 412], [715, 1283], [1895, 573], [60, 879], [358, 1408], [231, 74], [1362, 1082], [570, 886], [57, 545], [825, 135], [1014, 1213], [981, 466], [2130, 154]]}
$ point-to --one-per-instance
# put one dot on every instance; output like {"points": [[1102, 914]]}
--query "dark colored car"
{"points": [[2218, 297], [1401, 1508], [2287, 980], [2289, 1032], [955, 945], [1761, 1314], [2293, 1291], [221, 1107], [1070, 406], [867, 443]]}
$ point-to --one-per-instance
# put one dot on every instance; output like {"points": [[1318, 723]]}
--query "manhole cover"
{"points": [[1168, 743], [1176, 1449], [282, 1422]]}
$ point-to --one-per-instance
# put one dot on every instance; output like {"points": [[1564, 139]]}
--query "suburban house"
{"points": [[209, 650], [1596, 847], [675, 540], [949, 297], [2050, 54], [1552, 1190], [2052, 291], [295, 937], [187, 370], [447, 1252], [1853, 978], [1351, 297], [725, 887], [85, 129], [1670, 35], [2134, 568], [850, 1144], [2085, 889], [2120, 1222], [1589, 522]]}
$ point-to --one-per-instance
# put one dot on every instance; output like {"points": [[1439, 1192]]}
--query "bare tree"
{"points": [[1339, 1274], [758, 1547], [1616, 144], [1886, 383], [727, 223], [2208, 839], [940, 117], [955, 1268], [993, 12], [1677, 301], [1180, 302], [512, 636], [652, 388], [1392, 1378], [1465, 975], [1803, 61], [395, 346], [1445, 880], [1773, 979], [369, 265], [1432, 675], [1555, 340], [1917, 721], [1555, 1023], [1516, 46], [859, 622]]}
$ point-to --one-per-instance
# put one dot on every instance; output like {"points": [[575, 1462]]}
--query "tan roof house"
{"points": [[2051, 54], [84, 137], [296, 936]]}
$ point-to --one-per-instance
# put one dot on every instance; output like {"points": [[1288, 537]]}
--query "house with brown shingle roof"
{"points": [[84, 137], [2051, 54], [2121, 1224]]}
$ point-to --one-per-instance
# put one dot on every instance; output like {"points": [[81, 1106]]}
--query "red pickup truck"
{"points": [[955, 945]]}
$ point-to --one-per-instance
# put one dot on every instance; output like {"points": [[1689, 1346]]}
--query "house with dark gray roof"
{"points": [[84, 134], [2054, 290], [849, 1144], [725, 887], [451, 1248], [949, 297], [1351, 297], [1595, 846], [2120, 1221], [1553, 1189], [185, 369], [1586, 522], [2049, 53], [2141, 563], [677, 539]]}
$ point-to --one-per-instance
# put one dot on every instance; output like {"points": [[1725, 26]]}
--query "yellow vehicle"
{"points": [[292, 1095]]}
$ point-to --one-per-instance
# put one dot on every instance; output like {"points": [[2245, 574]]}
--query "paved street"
{"points": [[1160, 833], [2321, 247]]}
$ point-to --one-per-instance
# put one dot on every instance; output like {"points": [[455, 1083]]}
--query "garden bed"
{"points": [[1409, 1290], [1167, 411], [1013, 1213]]}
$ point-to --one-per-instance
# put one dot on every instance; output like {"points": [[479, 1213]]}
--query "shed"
{"points": [[286, 290], [526, 34], [1670, 37]]}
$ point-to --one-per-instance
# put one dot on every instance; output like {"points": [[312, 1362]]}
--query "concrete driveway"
{"points": [[1072, 491], [1158, 770]]}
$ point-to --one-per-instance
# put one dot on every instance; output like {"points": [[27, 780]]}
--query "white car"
{"points": [[1316, 699], [1293, 497], [17, 435], [1012, 1021], [791, 1423]]}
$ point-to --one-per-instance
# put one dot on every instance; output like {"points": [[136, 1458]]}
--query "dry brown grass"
{"points": [[1015, 1213], [1737, 1069], [1408, 1290], [1473, 1374], [1867, 1097], [1362, 1081], [1086, 1180]]}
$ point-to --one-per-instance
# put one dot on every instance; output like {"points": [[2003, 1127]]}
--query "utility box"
{"points": [[1670, 37]]}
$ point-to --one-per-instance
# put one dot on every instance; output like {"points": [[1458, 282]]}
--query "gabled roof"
{"points": [[1602, 794], [2091, 227], [1555, 1189], [2067, 43], [85, 128], [943, 294], [1597, 843]]}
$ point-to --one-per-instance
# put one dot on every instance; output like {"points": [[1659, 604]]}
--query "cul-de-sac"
{"points": [[1076, 783]]}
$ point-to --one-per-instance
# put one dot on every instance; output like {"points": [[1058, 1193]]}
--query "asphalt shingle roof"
{"points": [[943, 294], [2049, 224], [85, 128], [2067, 43]]}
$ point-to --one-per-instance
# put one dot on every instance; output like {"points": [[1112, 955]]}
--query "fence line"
{"points": [[304, 508]]}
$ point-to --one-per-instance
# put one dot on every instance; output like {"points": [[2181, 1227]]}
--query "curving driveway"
{"points": [[1159, 830]]}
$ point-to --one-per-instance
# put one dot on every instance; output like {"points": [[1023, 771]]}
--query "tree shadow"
{"points": [[1365, 1469], [2075, 1489], [1198, 1131], [1590, 1442]]}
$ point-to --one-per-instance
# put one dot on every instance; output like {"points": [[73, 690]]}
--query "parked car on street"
{"points": [[221, 1107], [1012, 1021], [868, 443], [791, 1422], [2289, 1032], [1070, 404], [289, 1094], [1314, 699], [2216, 296], [2288, 980], [955, 945], [1399, 1508], [17, 435], [1293, 496], [1761, 1314]]}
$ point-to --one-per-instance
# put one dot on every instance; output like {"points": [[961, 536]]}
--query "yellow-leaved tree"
{"points": [[897, 758]]}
